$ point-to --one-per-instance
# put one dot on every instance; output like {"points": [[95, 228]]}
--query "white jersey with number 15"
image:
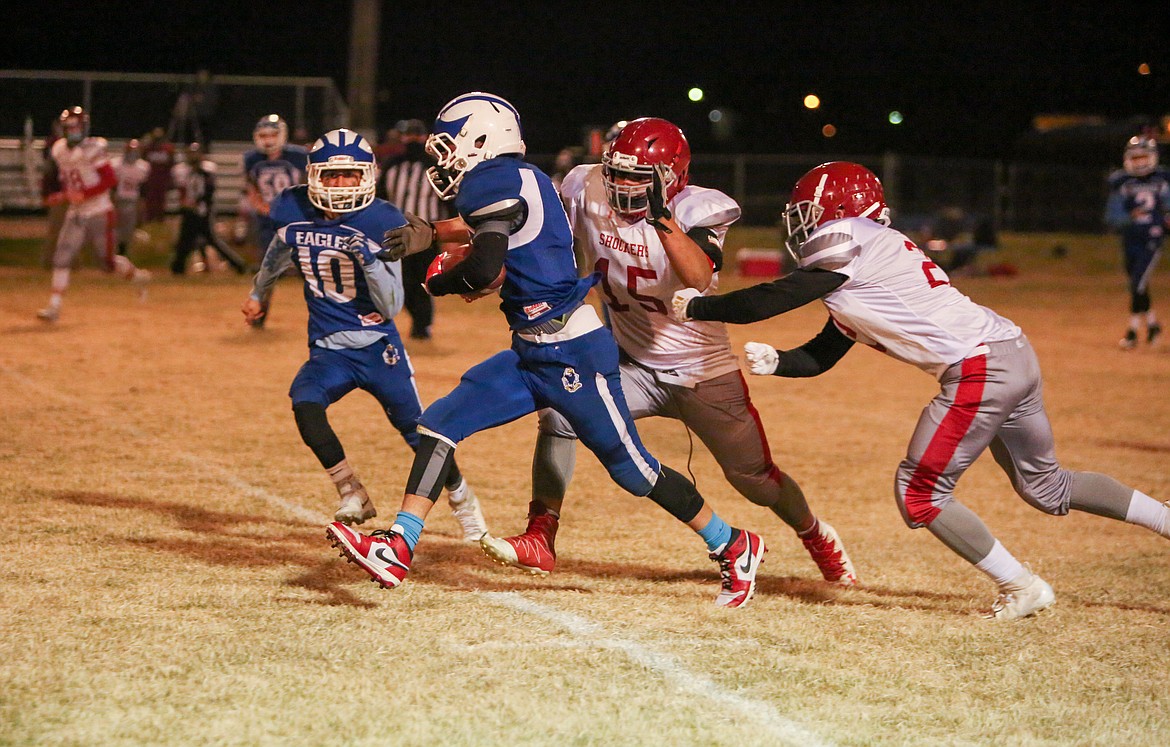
{"points": [[638, 282]]}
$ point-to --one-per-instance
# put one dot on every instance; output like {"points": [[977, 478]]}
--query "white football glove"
{"points": [[678, 304], [762, 358]]}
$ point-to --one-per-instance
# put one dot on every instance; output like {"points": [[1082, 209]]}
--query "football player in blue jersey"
{"points": [[1139, 209], [562, 356], [328, 230], [271, 167]]}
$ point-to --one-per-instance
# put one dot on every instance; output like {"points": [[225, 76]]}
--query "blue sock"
{"points": [[412, 527], [716, 534]]}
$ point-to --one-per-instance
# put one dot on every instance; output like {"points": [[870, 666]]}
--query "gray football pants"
{"points": [[994, 399], [720, 412]]}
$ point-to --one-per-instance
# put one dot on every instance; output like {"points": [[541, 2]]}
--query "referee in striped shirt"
{"points": [[404, 182]]}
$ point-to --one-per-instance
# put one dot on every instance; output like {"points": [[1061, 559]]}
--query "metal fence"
{"points": [[1014, 195]]}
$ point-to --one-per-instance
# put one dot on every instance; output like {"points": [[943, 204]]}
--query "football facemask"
{"points": [[1141, 156], [270, 134], [629, 159], [833, 190], [470, 129], [341, 150], [74, 125]]}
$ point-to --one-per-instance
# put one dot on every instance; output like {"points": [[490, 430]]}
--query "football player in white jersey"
{"points": [[881, 290], [132, 171], [648, 232], [86, 179]]}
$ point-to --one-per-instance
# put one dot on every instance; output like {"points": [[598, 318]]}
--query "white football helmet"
{"points": [[471, 128], [342, 150], [1141, 156], [270, 134]]}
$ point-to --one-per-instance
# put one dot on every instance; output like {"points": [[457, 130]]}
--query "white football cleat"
{"points": [[1014, 604], [49, 314], [356, 506]]}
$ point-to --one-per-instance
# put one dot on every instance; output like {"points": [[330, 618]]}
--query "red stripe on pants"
{"points": [[773, 471], [945, 441], [109, 243]]}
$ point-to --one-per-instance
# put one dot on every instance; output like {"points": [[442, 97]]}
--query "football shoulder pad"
{"points": [[700, 206]]}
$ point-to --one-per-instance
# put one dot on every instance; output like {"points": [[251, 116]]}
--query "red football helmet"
{"points": [[833, 190], [74, 125], [631, 157]]}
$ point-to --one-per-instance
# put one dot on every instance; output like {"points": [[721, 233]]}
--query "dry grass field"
{"points": [[166, 580]]}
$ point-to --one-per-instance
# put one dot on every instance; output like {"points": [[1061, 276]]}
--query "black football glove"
{"points": [[417, 235], [656, 209]]}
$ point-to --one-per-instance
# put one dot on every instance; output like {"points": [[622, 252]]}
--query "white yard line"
{"points": [[586, 633], [781, 729]]}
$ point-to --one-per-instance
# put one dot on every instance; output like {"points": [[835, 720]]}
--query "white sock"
{"points": [[1151, 320], [1135, 322], [1002, 566], [123, 266], [1147, 512], [58, 285], [457, 495]]}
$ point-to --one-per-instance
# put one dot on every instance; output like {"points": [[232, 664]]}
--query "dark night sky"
{"points": [[968, 77]]}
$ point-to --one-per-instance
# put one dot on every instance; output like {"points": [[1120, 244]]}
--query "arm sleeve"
{"points": [[277, 259], [708, 241], [815, 356], [481, 266], [385, 288], [766, 299]]}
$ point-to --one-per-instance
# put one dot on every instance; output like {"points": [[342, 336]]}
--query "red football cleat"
{"points": [[828, 552], [534, 551], [382, 554], [738, 563]]}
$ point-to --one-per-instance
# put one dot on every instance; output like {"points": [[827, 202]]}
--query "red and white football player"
{"points": [[881, 290], [86, 176], [648, 232]]}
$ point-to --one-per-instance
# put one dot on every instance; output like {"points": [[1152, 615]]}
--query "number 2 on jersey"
{"points": [[633, 275], [934, 274]]}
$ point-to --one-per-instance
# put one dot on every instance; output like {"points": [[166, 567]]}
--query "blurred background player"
{"points": [[561, 355], [86, 178], [405, 183], [1139, 209], [195, 180], [881, 290], [159, 152], [639, 222], [269, 168], [132, 172], [328, 231]]}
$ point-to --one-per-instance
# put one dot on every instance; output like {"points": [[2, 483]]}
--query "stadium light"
{"points": [[695, 94], [895, 117], [811, 101], [1143, 69], [829, 130]]}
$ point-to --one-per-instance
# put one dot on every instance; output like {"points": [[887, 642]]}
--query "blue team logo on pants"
{"points": [[570, 380], [390, 355]]}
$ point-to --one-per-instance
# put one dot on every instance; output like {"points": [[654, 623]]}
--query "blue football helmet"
{"points": [[342, 150], [471, 128], [1141, 156], [270, 134]]}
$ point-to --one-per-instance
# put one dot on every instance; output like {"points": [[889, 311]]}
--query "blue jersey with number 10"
{"points": [[541, 272], [336, 291]]}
